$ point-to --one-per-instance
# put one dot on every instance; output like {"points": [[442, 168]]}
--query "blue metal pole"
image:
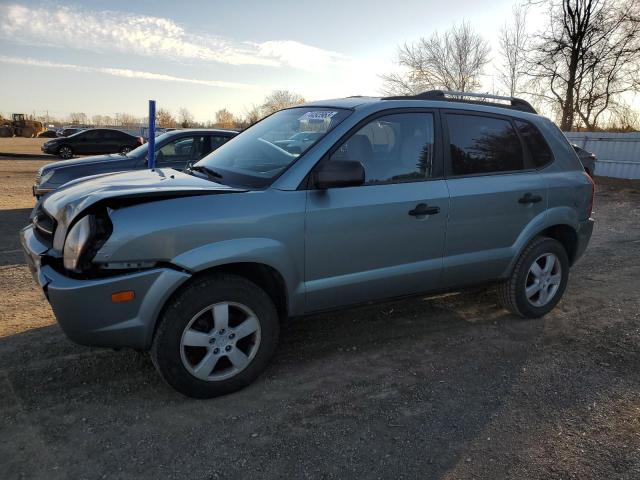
{"points": [[151, 155]]}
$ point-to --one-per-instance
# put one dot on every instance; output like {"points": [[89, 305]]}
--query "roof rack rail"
{"points": [[454, 96]]}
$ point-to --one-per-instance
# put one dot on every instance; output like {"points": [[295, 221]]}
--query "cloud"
{"points": [[122, 72], [110, 31]]}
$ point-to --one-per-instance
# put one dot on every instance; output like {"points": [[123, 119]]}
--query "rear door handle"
{"points": [[529, 198], [422, 209]]}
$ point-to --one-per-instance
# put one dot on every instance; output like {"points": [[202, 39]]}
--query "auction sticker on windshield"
{"points": [[318, 115]]}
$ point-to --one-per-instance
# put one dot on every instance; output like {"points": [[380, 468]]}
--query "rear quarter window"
{"points": [[539, 150]]}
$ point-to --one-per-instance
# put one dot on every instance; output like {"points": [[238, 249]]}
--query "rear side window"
{"points": [[540, 152], [482, 145]]}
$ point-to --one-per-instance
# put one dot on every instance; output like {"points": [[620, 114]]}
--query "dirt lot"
{"points": [[446, 387], [19, 146]]}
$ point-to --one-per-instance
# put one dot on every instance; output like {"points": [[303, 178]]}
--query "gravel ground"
{"points": [[22, 147], [445, 387]]}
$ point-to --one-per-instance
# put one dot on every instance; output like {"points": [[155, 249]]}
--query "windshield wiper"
{"points": [[208, 171]]}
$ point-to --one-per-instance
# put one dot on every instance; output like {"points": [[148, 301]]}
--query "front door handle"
{"points": [[529, 198], [422, 209]]}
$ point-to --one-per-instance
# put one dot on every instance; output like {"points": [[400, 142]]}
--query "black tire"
{"points": [[198, 295], [62, 152], [511, 293]]}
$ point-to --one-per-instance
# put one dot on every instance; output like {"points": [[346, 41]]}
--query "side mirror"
{"points": [[339, 173]]}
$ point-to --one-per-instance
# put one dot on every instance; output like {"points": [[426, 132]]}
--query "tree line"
{"points": [[580, 69], [183, 118]]}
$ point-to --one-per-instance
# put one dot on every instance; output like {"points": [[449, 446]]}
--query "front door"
{"points": [[384, 238]]}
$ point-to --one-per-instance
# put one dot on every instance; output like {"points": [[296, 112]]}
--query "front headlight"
{"points": [[77, 241], [46, 177]]}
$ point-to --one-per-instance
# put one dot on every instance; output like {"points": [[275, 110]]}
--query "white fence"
{"points": [[618, 153]]}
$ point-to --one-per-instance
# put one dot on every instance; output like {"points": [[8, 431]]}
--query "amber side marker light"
{"points": [[120, 297]]}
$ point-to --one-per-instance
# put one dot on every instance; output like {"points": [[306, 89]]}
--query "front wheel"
{"points": [[538, 279], [65, 152], [216, 336]]}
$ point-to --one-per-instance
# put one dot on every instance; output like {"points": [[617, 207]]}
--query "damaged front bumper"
{"points": [[84, 308]]}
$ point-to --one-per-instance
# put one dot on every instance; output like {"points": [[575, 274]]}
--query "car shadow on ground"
{"points": [[416, 374], [11, 221]]}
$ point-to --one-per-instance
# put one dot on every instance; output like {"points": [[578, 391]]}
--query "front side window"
{"points": [[482, 145], [261, 153], [185, 148], [93, 135], [392, 149], [540, 152], [216, 142]]}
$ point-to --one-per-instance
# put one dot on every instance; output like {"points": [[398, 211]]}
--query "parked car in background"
{"points": [[298, 142], [48, 134], [93, 141], [588, 159], [68, 131], [397, 196], [175, 149]]}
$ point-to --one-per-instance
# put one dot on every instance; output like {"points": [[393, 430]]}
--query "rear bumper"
{"points": [[585, 229], [84, 309]]}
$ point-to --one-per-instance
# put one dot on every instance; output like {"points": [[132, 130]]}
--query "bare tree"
{"points": [[128, 120], [586, 57], [452, 61], [279, 99], [186, 118], [252, 115], [225, 119], [514, 42], [164, 119], [78, 118]]}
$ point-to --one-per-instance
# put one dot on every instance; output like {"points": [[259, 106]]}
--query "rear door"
{"points": [[90, 142], [386, 237], [495, 192]]}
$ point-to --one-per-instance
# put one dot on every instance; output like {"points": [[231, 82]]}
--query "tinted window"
{"points": [[216, 142], [540, 152], [483, 145], [392, 149], [92, 135], [115, 135], [185, 148]]}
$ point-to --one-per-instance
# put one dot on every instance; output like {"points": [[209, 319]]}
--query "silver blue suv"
{"points": [[389, 197]]}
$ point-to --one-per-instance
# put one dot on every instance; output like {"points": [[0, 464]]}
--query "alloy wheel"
{"points": [[65, 152], [543, 279], [220, 341]]}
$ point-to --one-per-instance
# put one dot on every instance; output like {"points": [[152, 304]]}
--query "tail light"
{"points": [[593, 192]]}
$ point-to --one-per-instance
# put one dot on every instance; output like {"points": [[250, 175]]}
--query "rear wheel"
{"points": [[65, 152], [538, 280], [216, 336]]}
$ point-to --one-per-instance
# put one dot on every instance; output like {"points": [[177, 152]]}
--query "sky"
{"points": [[104, 57]]}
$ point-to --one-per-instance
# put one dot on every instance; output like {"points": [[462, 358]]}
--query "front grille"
{"points": [[44, 226]]}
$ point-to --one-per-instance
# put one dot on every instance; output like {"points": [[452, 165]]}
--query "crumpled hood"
{"points": [[74, 197]]}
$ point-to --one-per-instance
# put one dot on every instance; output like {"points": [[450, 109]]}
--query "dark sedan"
{"points": [[174, 149], [588, 159], [94, 141]]}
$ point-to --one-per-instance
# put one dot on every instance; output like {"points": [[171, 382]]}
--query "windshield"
{"points": [[142, 150], [259, 154]]}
